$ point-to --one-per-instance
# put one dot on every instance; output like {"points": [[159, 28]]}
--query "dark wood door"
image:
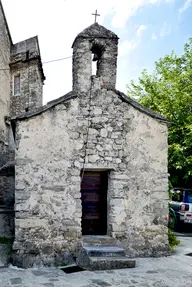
{"points": [[94, 203]]}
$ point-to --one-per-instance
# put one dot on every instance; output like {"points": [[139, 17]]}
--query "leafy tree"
{"points": [[168, 91]]}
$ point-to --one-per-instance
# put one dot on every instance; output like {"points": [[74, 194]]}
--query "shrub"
{"points": [[173, 241]]}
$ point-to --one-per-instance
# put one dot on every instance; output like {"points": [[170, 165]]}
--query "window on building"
{"points": [[177, 195], [17, 85]]}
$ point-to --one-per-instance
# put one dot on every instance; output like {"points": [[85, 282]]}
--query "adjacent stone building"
{"points": [[91, 164], [21, 82]]}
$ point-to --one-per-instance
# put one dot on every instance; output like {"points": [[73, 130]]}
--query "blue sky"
{"points": [[148, 29]]}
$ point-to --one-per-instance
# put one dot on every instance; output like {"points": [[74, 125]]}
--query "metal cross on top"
{"points": [[95, 15]]}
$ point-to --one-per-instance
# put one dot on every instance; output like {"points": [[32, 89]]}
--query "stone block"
{"points": [[93, 131], [117, 147], [93, 158], [110, 129], [108, 158], [90, 151], [75, 135], [116, 135], [103, 133], [119, 176], [97, 111], [99, 148]]}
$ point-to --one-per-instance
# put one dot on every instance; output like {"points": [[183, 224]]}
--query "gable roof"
{"points": [[72, 95], [49, 105], [6, 24], [96, 31], [142, 108]]}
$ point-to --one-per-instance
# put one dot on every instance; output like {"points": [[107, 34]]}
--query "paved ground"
{"points": [[173, 271]]}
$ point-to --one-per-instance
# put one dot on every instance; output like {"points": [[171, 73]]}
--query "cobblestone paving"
{"points": [[174, 271]]}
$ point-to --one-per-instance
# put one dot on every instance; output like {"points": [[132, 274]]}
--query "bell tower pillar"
{"points": [[95, 43]]}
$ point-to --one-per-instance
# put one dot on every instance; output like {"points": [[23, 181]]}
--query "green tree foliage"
{"points": [[168, 91]]}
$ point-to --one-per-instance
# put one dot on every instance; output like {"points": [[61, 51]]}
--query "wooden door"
{"points": [[94, 203]]}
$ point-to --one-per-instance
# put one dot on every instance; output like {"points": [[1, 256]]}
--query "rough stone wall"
{"points": [[140, 202], [107, 65], [4, 79], [26, 62], [132, 145], [30, 97], [7, 189], [6, 149], [82, 63]]}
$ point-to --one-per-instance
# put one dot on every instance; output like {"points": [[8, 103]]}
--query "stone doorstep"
{"points": [[104, 251], [98, 241], [103, 257], [108, 263]]}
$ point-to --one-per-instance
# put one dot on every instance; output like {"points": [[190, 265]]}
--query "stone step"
{"points": [[102, 257], [105, 251], [108, 263], [98, 240]]}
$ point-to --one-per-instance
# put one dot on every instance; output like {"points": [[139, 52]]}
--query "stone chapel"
{"points": [[90, 166]]}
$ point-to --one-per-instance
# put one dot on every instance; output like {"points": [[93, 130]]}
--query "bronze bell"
{"points": [[95, 57]]}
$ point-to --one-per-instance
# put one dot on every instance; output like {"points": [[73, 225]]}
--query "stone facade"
{"points": [[48, 204], [25, 62], [6, 149], [46, 149], [4, 77], [94, 127]]}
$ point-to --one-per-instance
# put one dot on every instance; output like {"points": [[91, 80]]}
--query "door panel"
{"points": [[94, 203]]}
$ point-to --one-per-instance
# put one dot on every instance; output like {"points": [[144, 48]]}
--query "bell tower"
{"points": [[98, 44]]}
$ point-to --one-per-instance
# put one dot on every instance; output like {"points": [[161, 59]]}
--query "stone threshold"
{"points": [[98, 168], [97, 236]]}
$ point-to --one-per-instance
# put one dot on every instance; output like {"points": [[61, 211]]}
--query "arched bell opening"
{"points": [[97, 52]]}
